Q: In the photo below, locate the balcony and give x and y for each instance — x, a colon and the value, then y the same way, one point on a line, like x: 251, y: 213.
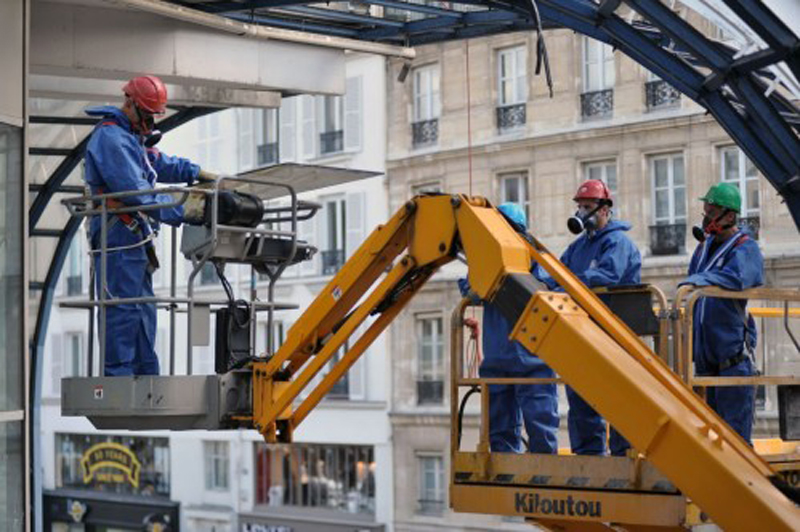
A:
x: 667, y: 239
x: 332, y: 261
x: 331, y: 142
x: 597, y: 104
x: 425, y: 133
x: 511, y: 116
x: 267, y: 153
x: 660, y: 95
x: 750, y: 225
x: 74, y: 285
x: 430, y: 392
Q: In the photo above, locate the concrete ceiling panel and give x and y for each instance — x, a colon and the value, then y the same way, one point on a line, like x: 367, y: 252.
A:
x: 73, y: 40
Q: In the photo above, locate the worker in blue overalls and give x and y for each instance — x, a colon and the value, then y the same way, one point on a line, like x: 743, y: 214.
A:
x: 602, y: 256
x: 724, y: 335
x: 512, y: 404
x: 117, y: 160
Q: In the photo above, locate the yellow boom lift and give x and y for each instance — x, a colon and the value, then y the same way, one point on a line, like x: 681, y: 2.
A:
x: 685, y: 451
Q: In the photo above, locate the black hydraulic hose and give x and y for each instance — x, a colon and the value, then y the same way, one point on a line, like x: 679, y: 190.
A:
x: 473, y: 389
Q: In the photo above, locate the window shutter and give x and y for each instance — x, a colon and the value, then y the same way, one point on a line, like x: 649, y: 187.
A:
x: 288, y: 133
x: 309, y: 128
x: 355, y: 214
x: 352, y: 114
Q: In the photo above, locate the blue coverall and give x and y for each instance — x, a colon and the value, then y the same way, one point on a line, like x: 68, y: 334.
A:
x: 117, y: 161
x: 719, y: 329
x: 607, y: 257
x: 512, y: 404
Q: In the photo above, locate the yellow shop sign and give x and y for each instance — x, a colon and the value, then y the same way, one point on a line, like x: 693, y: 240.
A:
x: 110, y: 455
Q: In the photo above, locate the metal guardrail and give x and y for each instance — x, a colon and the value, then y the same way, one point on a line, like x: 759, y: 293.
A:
x: 475, y: 384
x: 98, y: 205
x: 682, y: 317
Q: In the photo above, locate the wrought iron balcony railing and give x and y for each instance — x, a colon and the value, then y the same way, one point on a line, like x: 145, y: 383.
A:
x: 597, y: 104
x: 659, y: 95
x: 332, y: 261
x: 331, y: 142
x: 425, y: 133
x: 511, y: 116
x: 267, y: 153
x: 668, y: 239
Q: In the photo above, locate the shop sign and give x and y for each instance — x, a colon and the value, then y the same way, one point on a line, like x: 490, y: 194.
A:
x: 110, y: 462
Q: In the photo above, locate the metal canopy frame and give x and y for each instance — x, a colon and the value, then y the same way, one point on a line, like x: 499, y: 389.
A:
x: 736, y: 88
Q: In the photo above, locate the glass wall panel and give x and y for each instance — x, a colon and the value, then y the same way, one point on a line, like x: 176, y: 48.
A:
x: 11, y: 348
x: 12, y: 516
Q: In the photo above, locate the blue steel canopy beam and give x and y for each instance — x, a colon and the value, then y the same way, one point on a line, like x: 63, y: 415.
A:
x: 770, y: 28
x: 417, y: 8
x: 332, y: 14
x: 295, y: 24
x: 777, y: 133
x: 231, y: 7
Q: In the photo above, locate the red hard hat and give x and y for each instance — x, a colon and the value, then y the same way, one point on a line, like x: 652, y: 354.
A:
x: 148, y: 93
x: 594, y: 189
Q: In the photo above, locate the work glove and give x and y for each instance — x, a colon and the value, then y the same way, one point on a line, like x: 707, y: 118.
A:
x: 205, y: 176
x: 194, y: 208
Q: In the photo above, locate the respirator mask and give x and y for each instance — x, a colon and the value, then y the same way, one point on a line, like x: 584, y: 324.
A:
x: 584, y: 219
x: 710, y: 226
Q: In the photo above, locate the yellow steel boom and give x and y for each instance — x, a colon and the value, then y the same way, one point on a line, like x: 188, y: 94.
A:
x: 574, y: 332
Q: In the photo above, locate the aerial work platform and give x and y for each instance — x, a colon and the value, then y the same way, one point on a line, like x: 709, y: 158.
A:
x: 684, y: 451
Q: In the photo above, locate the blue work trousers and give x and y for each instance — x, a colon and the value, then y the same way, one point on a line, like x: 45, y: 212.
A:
x: 588, y: 429
x: 511, y: 405
x: 735, y: 404
x: 130, y: 328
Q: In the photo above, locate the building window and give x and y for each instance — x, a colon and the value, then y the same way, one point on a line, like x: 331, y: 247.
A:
x: 667, y: 235
x: 74, y: 359
x: 75, y: 268
x: 605, y: 171
x: 334, y: 234
x: 738, y: 170
x: 431, y: 484
x: 130, y: 465
x: 512, y: 85
x: 331, y: 131
x: 597, y: 99
x: 425, y: 123
x: 216, y: 465
x: 208, y: 140
x: 337, y: 478
x: 267, y: 150
x: 430, y: 342
x: 341, y: 388
x: 514, y: 189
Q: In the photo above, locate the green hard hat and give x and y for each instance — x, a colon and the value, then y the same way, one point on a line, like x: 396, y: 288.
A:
x: 724, y: 195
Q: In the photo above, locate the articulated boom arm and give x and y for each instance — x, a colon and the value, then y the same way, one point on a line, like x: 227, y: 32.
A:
x: 574, y: 332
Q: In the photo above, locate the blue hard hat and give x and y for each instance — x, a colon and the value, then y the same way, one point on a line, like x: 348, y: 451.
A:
x: 514, y: 212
